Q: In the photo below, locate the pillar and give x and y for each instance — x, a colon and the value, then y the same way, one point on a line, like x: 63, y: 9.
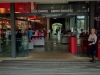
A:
x: 33, y: 6
x: 92, y: 14
x: 48, y: 27
x: 13, y: 30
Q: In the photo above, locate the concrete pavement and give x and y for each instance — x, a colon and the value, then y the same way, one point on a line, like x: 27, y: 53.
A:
x: 30, y: 67
x: 55, y: 56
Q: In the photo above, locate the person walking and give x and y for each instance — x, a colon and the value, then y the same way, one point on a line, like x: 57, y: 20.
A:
x: 92, y: 44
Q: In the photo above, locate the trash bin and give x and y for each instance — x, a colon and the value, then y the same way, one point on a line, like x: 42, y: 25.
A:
x: 73, y: 45
x: 98, y: 54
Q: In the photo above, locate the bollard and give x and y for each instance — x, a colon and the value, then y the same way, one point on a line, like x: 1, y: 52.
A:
x: 98, y: 54
x: 73, y: 45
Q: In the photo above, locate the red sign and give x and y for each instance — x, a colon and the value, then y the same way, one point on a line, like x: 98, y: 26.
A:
x: 4, y: 7
x: 22, y: 7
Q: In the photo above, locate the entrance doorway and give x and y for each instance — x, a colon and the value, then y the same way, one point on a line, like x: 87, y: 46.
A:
x: 54, y: 43
x: 56, y: 26
x: 56, y: 31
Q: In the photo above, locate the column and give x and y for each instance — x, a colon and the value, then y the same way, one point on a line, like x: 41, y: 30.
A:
x: 48, y: 27
x: 33, y: 6
x: 13, y: 30
x: 92, y: 12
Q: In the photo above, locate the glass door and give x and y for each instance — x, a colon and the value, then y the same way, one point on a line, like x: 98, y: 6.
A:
x: 82, y: 34
x: 5, y: 37
x: 82, y: 24
x: 21, y: 36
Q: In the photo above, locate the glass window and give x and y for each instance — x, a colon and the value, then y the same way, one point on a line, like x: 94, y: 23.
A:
x: 5, y: 37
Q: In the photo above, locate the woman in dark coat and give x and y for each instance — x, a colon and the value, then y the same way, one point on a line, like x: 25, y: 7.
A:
x: 92, y: 44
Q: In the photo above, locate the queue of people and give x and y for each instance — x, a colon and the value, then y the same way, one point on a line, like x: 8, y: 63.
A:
x: 28, y: 36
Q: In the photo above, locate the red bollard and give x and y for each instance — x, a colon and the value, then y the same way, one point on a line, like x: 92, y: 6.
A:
x: 98, y: 50
x: 73, y: 45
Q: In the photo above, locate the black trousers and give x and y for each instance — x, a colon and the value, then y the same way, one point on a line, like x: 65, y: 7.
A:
x: 92, y: 51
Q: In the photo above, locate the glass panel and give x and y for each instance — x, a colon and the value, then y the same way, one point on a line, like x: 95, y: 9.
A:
x: 21, y: 37
x: 82, y: 34
x: 5, y: 37
x: 29, y: 34
x: 80, y: 24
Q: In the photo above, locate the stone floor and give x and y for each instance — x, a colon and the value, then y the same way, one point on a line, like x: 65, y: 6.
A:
x: 53, y: 50
x: 56, y: 56
x: 48, y: 68
x: 49, y: 56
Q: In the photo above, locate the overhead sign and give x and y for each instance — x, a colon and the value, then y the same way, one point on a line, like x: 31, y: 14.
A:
x: 51, y: 15
x: 53, y: 11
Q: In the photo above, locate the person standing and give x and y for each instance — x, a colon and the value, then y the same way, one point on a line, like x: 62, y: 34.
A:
x: 18, y: 40
x: 30, y: 34
x: 92, y: 44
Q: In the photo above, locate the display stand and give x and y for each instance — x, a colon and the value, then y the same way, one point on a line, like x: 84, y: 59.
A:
x: 38, y: 40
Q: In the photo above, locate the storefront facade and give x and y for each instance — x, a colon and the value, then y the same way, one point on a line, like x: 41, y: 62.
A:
x: 17, y: 19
